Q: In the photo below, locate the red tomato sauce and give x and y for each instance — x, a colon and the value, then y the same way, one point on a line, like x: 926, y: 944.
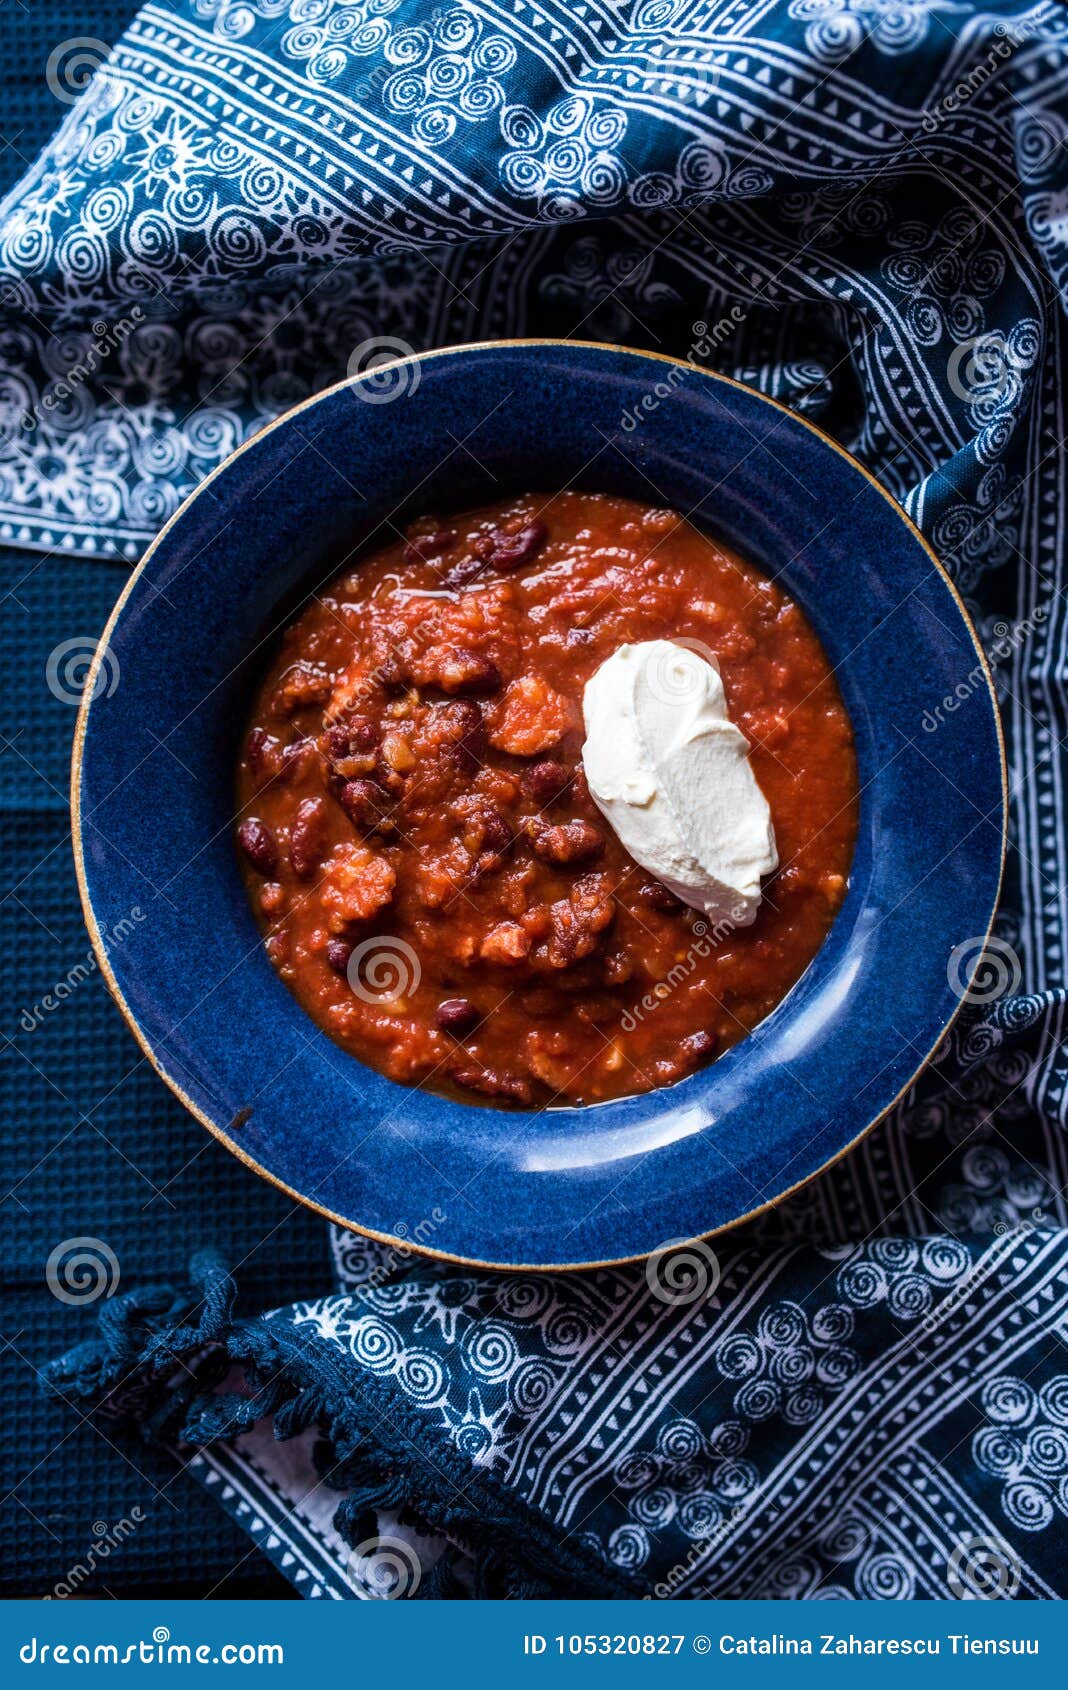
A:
x: 434, y: 882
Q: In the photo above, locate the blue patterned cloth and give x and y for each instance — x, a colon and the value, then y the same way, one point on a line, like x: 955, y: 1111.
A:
x: 862, y: 205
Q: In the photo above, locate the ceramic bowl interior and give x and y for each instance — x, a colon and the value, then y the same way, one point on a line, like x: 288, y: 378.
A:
x: 154, y: 773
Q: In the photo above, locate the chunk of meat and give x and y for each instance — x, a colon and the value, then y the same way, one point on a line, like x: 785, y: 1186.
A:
x: 530, y: 717
x: 301, y: 685
x: 460, y: 645
x: 570, y: 842
x: 356, y: 884
x: 506, y: 943
x: 493, y: 1082
x: 487, y: 833
x: 358, y: 689
x: 397, y: 754
x: 551, y: 1056
x: 442, y: 877
x: 617, y: 968
x: 577, y: 923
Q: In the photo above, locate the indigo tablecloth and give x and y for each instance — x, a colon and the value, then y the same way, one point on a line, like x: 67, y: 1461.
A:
x: 867, y: 201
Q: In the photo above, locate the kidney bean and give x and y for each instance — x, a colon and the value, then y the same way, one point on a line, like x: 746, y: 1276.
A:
x: 259, y: 845
x: 572, y: 842
x: 391, y: 780
x: 337, y: 955
x: 468, y: 672
x: 464, y: 572
x: 307, y: 837
x: 493, y: 1082
x: 512, y: 551
x: 269, y: 760
x: 461, y: 726
x: 495, y: 833
x: 363, y: 803
x: 546, y: 780
x: 258, y: 753
x: 422, y: 547
x: 357, y: 737
x: 691, y: 1052
x: 294, y: 758
x: 617, y: 968
x: 456, y: 1016
x: 659, y: 897
x: 390, y: 666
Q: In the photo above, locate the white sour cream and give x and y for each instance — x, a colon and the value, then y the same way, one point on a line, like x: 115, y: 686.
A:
x: 670, y: 772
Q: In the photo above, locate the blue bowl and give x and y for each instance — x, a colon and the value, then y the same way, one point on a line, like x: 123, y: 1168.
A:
x: 153, y: 803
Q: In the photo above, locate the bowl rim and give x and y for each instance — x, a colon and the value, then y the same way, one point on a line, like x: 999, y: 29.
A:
x: 217, y: 1129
